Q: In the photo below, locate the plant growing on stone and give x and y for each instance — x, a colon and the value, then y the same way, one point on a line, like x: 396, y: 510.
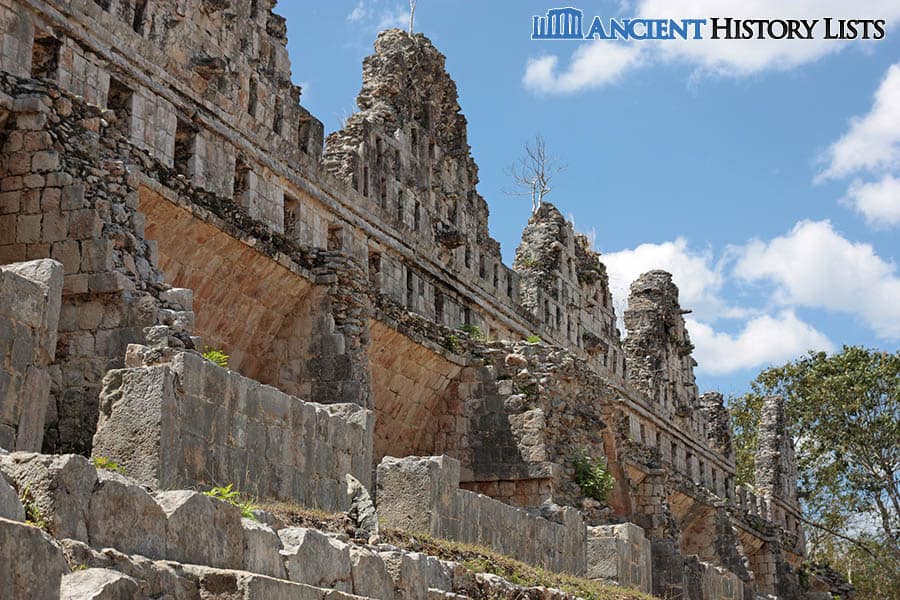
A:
x: 101, y: 462
x: 232, y: 496
x: 216, y: 357
x: 533, y: 339
x: 452, y: 343
x: 592, y: 477
x: 33, y: 514
x: 474, y: 332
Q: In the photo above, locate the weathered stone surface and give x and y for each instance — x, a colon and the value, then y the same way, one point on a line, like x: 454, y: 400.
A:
x: 59, y: 486
x: 422, y: 495
x: 408, y: 571
x: 30, y: 297
x: 31, y: 564
x: 201, y: 530
x: 620, y: 553
x: 10, y: 505
x: 97, y: 584
x: 370, y: 576
x: 262, y: 550
x: 216, y: 584
x: 124, y: 516
x: 157, y: 579
x: 186, y: 423
x: 316, y: 559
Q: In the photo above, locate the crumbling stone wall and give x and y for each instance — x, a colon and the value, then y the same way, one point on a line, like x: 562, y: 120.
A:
x: 658, y: 348
x: 203, y: 425
x: 30, y: 295
x: 565, y: 286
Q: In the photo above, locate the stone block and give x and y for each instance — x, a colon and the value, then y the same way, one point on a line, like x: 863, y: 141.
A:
x: 98, y: 584
x: 201, y: 530
x: 414, y: 492
x: 408, y: 571
x: 217, y: 584
x: 31, y: 563
x: 124, y: 516
x: 60, y: 487
x: 316, y: 559
x: 262, y: 550
x: 10, y: 505
x: 370, y: 576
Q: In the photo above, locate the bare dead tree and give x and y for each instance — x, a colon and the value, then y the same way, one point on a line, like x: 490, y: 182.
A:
x: 532, y: 175
x: 412, y: 14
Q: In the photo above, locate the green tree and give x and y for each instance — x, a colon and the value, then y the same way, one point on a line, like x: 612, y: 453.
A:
x: 843, y: 412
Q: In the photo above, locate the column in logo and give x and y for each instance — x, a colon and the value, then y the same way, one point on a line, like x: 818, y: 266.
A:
x: 559, y: 24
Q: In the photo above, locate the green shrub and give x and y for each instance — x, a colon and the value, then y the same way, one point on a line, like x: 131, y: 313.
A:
x: 474, y: 332
x: 216, y: 357
x: 592, y: 477
x: 232, y: 496
x: 101, y: 462
x: 451, y: 342
x: 33, y: 514
x: 533, y: 339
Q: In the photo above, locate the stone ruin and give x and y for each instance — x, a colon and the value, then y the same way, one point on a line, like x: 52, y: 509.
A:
x: 163, y: 191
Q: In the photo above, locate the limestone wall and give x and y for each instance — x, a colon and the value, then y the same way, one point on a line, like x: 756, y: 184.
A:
x: 29, y: 313
x: 421, y: 494
x: 184, y: 422
x: 620, y: 553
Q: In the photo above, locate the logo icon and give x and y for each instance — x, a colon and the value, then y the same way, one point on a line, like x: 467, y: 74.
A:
x: 559, y: 24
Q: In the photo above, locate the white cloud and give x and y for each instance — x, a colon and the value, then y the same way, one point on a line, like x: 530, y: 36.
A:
x: 593, y: 64
x: 379, y: 15
x: 720, y: 57
x: 763, y: 341
x: 873, y: 141
x: 878, y: 201
x: 814, y: 266
x: 358, y: 13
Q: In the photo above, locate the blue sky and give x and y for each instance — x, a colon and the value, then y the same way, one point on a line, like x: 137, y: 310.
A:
x: 764, y: 175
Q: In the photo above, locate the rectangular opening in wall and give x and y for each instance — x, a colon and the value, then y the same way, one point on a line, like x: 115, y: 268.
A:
x: 104, y: 4
x: 291, y: 216
x: 414, y: 141
x: 241, y: 182
x: 468, y: 257
x: 438, y: 306
x: 375, y: 269
x: 278, y: 118
x: 496, y: 275
x: 382, y: 192
x: 417, y: 210
x: 185, y: 147
x: 509, y: 285
x: 252, y: 97
x: 140, y: 16
x: 481, y: 266
x: 45, y: 57
x: 400, y: 207
x: 120, y: 101
x: 335, y: 238
x: 365, y: 182
x: 410, y: 291
x: 303, y: 133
